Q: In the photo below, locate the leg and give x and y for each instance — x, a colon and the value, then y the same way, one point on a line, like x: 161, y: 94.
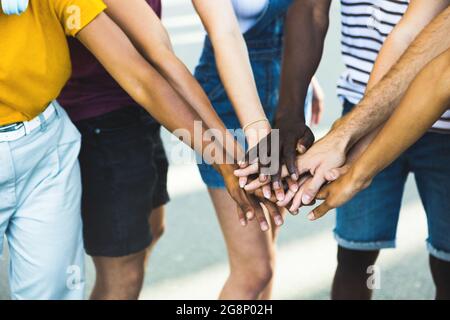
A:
x: 122, y: 184
x: 251, y: 252
x: 160, y: 195
x: 430, y: 161
x: 44, y: 234
x: 440, y: 271
x: 351, y: 274
x: 119, y: 278
x: 122, y: 278
x: 267, y: 292
x: 365, y: 225
x: 157, y: 226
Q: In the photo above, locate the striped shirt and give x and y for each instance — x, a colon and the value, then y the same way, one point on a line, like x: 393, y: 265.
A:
x: 365, y: 26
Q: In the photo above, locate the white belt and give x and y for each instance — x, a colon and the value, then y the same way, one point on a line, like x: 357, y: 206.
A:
x: 26, y: 127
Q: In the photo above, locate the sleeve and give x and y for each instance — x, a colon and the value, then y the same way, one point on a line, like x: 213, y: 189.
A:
x: 74, y: 15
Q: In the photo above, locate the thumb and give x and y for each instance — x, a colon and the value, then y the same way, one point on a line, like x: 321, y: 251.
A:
x: 336, y: 173
x: 323, y: 192
x: 312, y: 188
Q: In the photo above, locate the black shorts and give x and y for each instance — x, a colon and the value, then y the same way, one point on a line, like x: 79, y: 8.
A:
x: 124, y: 174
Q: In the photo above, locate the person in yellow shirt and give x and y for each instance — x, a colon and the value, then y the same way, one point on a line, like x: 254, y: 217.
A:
x: 40, y: 185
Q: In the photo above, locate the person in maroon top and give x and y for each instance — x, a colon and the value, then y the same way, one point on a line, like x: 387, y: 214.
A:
x: 123, y: 164
x: 124, y: 170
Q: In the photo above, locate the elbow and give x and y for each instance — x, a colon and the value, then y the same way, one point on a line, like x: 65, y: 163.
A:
x: 139, y: 86
x: 316, y: 11
x: 321, y: 20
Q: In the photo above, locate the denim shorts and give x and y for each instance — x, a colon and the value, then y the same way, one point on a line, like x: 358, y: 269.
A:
x: 124, y: 176
x: 369, y: 221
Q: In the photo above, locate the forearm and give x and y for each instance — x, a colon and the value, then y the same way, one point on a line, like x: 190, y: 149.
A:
x: 176, y: 73
x: 424, y: 102
x: 146, y: 86
x: 381, y: 100
x: 306, y: 26
x: 393, y: 48
x: 418, y: 15
x: 236, y: 73
x: 148, y: 35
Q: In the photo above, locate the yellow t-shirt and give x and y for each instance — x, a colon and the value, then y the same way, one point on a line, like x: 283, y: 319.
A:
x: 34, y: 55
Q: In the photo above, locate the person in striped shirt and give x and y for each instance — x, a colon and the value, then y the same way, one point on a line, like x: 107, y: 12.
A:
x: 368, y: 222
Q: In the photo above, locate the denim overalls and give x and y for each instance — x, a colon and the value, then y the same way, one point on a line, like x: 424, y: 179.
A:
x: 264, y: 43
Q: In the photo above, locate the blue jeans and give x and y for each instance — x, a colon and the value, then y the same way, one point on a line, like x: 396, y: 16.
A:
x: 40, y: 195
x: 369, y: 220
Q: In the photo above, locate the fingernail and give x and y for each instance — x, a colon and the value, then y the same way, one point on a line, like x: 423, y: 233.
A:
x: 243, y: 222
x: 278, y: 220
x: 294, y: 176
x: 306, y: 199
x: 264, y: 226
x: 277, y: 185
x: 267, y: 193
x: 249, y: 215
x: 262, y: 178
x: 311, y: 217
x: 296, y: 212
x: 241, y: 184
x: 294, y: 187
x: 301, y: 149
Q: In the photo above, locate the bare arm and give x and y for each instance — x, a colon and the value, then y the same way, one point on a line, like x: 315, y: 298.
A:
x: 381, y: 100
x: 137, y: 19
x: 305, y: 29
x: 424, y: 102
x: 232, y: 59
x: 148, y: 88
x: 419, y: 14
x: 306, y: 26
x: 377, y: 106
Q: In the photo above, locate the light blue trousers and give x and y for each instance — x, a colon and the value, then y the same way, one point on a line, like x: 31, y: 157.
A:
x: 40, y: 194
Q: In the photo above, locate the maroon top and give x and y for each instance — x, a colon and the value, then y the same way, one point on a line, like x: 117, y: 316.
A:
x: 91, y: 91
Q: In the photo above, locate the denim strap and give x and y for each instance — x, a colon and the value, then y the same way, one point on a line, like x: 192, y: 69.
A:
x: 274, y: 10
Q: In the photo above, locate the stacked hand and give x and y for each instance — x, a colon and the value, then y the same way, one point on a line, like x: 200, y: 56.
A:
x: 250, y: 206
x: 286, y: 169
x: 304, y: 172
x: 324, y: 162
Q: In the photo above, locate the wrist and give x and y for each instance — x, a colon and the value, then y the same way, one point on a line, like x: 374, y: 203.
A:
x: 341, y: 139
x: 291, y: 113
x: 360, y: 176
x: 227, y: 170
x: 256, y: 132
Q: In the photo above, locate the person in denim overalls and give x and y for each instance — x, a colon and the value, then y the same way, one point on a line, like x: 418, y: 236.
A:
x: 251, y: 252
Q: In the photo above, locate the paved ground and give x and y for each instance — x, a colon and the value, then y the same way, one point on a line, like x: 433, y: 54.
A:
x: 190, y: 261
